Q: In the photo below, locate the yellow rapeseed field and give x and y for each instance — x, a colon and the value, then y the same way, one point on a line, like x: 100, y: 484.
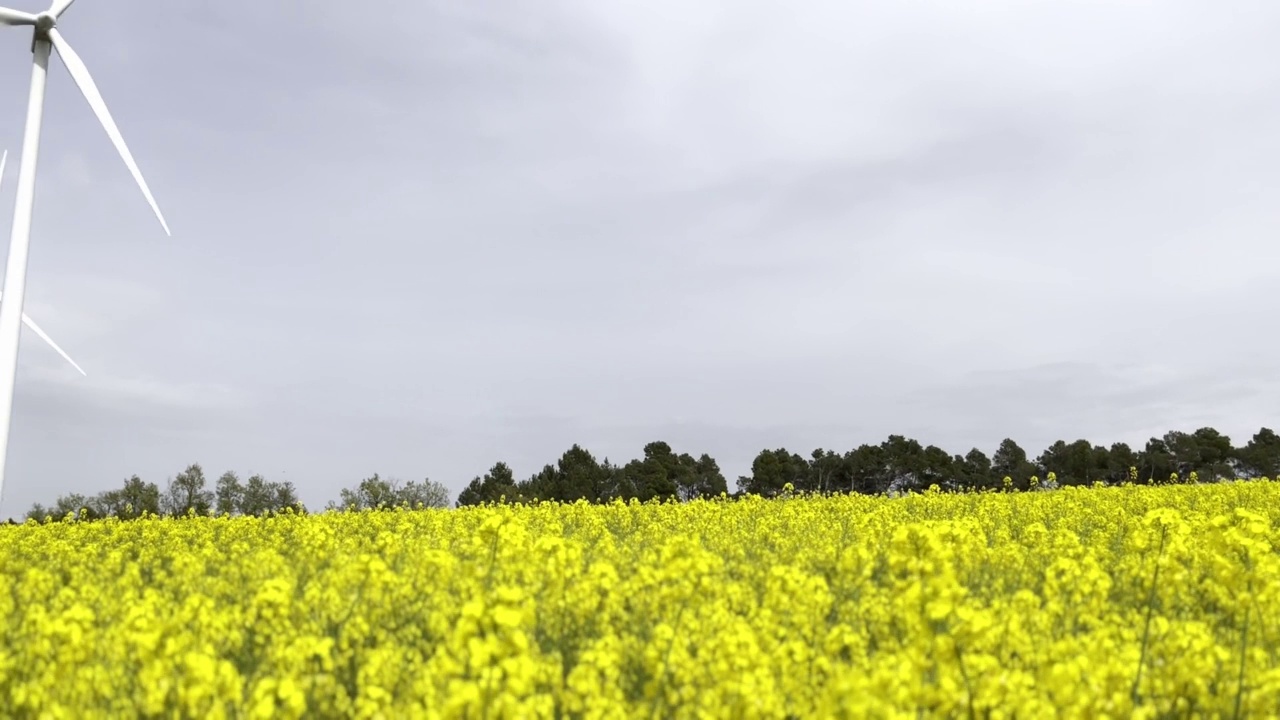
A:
x: 1146, y: 602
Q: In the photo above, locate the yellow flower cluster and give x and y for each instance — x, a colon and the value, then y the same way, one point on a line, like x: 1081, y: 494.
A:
x: 1121, y: 602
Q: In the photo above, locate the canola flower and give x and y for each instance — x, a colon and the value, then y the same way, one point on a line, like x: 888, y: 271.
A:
x: 1145, y: 602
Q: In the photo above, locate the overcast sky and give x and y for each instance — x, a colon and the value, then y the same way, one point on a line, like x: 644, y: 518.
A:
x: 420, y: 237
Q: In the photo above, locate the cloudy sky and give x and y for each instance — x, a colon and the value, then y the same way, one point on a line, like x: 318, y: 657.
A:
x: 425, y: 236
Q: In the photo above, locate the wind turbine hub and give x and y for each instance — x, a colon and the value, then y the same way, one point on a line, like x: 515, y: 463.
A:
x: 45, y: 22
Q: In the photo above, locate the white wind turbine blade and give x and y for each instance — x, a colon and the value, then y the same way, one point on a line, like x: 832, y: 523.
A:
x: 44, y: 336
x: 80, y: 74
x: 59, y: 7
x: 16, y: 17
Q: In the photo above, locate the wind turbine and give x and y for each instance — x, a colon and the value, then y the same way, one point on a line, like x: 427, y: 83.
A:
x: 46, y: 39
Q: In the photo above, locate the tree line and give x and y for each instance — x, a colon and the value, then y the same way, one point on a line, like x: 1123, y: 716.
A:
x: 897, y: 465
x: 189, y: 493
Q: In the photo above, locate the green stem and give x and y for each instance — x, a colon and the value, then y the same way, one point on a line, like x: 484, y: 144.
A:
x: 1146, y: 630
x: 1244, y: 637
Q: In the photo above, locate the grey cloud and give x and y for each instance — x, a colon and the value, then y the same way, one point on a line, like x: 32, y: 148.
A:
x: 433, y: 236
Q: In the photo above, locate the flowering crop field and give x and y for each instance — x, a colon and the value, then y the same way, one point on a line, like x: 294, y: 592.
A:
x: 1117, y: 602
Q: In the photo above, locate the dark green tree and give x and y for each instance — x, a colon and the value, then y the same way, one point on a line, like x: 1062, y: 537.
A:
x: 974, y: 470
x: 499, y: 482
x: 187, y: 493
x: 1120, y: 459
x: 658, y: 475
x: 772, y: 470
x: 828, y: 472
x: 1217, y: 456
x: 703, y: 480
x: 906, y: 466
x: 1155, y: 463
x: 228, y: 494
x: 258, y: 497
x: 1010, y: 461
x: 868, y: 467
x: 1073, y: 464
x: 579, y: 476
x: 1184, y: 452
x: 543, y: 485
x: 938, y: 469
x: 1260, y: 457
